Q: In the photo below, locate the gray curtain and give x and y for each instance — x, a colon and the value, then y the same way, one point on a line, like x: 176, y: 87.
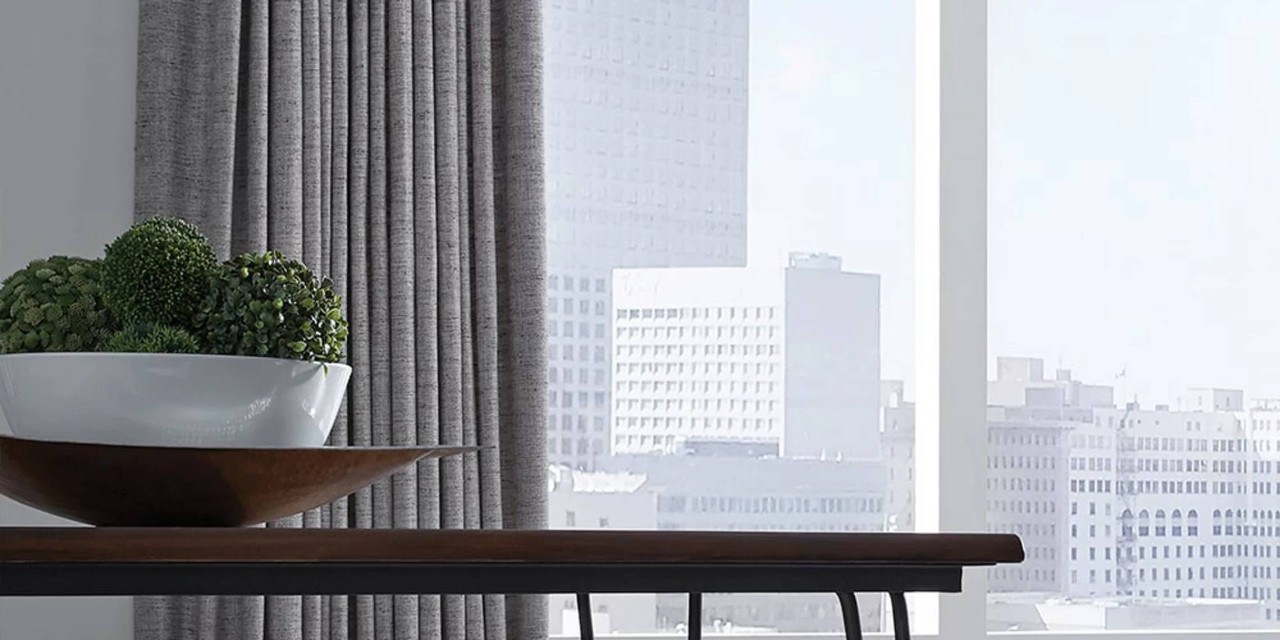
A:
x: 395, y: 146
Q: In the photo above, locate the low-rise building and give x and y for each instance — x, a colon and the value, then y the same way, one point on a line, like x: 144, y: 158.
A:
x: 1125, y: 502
x: 734, y: 493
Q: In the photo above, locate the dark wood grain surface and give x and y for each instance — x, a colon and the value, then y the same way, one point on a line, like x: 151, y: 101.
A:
x: 198, y: 545
x: 185, y: 486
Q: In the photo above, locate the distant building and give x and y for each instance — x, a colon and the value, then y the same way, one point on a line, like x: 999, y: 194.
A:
x: 897, y: 434
x: 646, y: 153
x: 762, y: 494
x: 1018, y: 377
x: 597, y: 500
x: 1049, y: 612
x: 719, y: 493
x: 1206, y: 399
x: 782, y: 361
x: 1122, y: 502
x: 1027, y: 481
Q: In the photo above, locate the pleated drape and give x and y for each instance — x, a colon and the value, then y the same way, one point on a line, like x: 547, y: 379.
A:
x: 395, y: 146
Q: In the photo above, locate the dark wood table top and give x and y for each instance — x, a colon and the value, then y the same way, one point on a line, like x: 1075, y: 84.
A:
x: 71, y: 545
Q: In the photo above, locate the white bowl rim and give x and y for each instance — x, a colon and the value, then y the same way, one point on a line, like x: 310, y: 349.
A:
x: 120, y: 354
x: 233, y: 449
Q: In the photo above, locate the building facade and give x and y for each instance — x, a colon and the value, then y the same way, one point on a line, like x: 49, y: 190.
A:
x: 777, y: 361
x: 646, y: 134
x: 721, y: 493
x: 1124, y: 504
x: 1027, y: 493
x: 897, y: 442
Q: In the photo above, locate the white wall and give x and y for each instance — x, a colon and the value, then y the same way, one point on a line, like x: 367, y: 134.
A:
x: 67, y: 79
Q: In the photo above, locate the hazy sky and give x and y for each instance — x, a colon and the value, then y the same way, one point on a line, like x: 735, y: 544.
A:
x: 830, y: 145
x: 1134, y: 149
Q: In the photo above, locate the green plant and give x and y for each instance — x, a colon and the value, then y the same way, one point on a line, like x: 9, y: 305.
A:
x: 54, y: 305
x: 149, y: 338
x: 157, y: 273
x: 269, y: 305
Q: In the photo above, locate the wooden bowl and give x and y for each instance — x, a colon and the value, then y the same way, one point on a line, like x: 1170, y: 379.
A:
x: 125, y: 485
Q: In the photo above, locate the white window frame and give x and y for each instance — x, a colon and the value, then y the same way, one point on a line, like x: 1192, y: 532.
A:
x: 950, y: 245
x: 951, y: 294
x: 951, y: 315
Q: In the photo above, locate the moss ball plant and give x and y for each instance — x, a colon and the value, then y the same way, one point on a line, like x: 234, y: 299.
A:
x: 269, y: 305
x: 148, y: 338
x: 157, y: 273
x: 54, y: 305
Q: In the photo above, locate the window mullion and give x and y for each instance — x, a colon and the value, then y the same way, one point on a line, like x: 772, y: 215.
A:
x: 951, y: 292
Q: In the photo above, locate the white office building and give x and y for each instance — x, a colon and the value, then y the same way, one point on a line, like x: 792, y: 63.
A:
x: 897, y: 442
x: 777, y: 361
x: 1125, y: 504
x: 646, y: 156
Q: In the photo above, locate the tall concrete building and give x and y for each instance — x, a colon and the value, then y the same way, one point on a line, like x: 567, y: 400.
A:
x: 779, y: 361
x: 646, y: 152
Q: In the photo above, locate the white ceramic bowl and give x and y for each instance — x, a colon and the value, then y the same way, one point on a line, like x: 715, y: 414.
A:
x: 171, y: 399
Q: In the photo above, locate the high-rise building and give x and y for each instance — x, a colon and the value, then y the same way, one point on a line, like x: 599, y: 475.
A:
x: 646, y: 159
x: 781, y: 361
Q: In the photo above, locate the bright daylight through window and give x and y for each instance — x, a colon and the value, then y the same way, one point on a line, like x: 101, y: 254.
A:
x: 730, y: 286
x: 731, y: 297
x: 1133, y: 341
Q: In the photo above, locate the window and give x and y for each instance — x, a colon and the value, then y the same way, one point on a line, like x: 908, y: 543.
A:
x: 652, y: 110
x: 1143, y: 119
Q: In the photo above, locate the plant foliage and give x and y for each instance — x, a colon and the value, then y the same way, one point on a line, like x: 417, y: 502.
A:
x: 148, y: 338
x: 54, y: 305
x: 157, y: 273
x: 269, y: 305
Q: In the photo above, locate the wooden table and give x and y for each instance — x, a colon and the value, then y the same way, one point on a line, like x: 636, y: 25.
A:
x: 122, y: 561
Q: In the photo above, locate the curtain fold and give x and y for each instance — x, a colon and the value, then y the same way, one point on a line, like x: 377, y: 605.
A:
x: 395, y: 146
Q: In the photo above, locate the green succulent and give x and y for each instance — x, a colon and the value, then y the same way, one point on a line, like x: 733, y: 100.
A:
x: 149, y: 338
x: 269, y: 305
x: 157, y: 273
x: 54, y: 305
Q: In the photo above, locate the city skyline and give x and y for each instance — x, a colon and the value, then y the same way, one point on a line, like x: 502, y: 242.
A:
x: 1121, y: 503
x: 1130, y: 163
x: 1116, y: 136
x: 818, y: 180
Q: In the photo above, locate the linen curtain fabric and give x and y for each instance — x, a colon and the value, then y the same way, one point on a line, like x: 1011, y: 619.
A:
x: 395, y: 146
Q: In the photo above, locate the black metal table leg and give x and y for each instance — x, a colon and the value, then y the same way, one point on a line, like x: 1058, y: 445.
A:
x: 852, y: 622
x: 695, y: 616
x: 901, y: 625
x: 586, y: 631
